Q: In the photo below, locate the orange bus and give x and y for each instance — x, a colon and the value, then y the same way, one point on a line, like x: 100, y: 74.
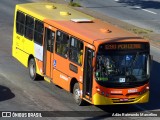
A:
x: 97, y: 62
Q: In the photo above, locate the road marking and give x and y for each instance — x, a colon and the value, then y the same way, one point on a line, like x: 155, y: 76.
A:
x: 149, y: 11
x: 137, y: 7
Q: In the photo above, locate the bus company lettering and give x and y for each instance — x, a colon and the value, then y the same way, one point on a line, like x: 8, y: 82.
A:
x: 63, y: 77
x: 132, y: 90
x: 116, y: 92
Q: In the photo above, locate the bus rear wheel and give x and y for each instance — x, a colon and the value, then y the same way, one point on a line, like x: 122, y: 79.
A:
x: 76, y: 95
x: 32, y: 69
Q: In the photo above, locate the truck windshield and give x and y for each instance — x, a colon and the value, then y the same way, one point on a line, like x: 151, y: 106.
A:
x: 122, y: 68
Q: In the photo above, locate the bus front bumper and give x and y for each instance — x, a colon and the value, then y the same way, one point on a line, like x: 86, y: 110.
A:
x: 102, y: 100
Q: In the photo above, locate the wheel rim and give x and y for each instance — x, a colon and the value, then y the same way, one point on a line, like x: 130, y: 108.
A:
x: 77, y: 95
x: 32, y: 69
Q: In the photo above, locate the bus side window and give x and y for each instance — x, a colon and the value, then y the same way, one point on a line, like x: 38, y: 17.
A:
x: 20, y: 21
x: 80, y: 54
x: 38, y: 32
x: 62, y: 44
x: 29, y: 27
x: 76, y: 51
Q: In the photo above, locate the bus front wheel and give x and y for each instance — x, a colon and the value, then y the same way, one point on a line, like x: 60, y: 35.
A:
x: 32, y: 69
x: 76, y: 94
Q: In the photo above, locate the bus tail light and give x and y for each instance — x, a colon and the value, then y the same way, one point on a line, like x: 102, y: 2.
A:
x: 147, y: 88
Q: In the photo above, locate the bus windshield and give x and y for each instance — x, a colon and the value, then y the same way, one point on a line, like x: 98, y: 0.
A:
x: 122, y: 68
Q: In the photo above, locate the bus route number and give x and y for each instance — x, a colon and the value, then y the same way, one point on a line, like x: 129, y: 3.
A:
x: 108, y: 47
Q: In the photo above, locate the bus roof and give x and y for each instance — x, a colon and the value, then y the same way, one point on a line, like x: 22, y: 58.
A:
x: 76, y: 23
x: 52, y: 11
x: 96, y: 30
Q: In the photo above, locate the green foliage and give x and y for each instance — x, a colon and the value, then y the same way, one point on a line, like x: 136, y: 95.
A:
x: 74, y: 4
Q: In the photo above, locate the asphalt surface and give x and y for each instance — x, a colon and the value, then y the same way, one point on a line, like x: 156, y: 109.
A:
x: 142, y: 13
x: 126, y: 14
x: 19, y: 93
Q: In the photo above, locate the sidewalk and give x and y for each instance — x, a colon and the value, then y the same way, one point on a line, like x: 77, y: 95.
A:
x: 144, y: 33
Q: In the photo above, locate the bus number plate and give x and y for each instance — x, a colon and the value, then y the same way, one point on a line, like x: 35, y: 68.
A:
x: 123, y: 99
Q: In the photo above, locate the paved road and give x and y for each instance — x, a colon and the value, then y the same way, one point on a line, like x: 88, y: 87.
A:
x: 142, y: 13
x: 19, y: 93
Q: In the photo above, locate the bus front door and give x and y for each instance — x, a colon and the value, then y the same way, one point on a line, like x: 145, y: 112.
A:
x: 48, y: 52
x: 88, y: 75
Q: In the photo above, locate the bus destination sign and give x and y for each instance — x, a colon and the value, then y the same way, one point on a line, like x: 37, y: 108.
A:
x: 123, y: 46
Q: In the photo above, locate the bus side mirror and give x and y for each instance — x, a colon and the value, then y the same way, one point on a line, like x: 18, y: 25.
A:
x: 149, y: 64
x: 150, y: 61
x: 93, y: 54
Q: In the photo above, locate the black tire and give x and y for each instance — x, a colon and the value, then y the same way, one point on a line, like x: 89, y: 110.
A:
x: 76, y: 95
x: 32, y: 69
